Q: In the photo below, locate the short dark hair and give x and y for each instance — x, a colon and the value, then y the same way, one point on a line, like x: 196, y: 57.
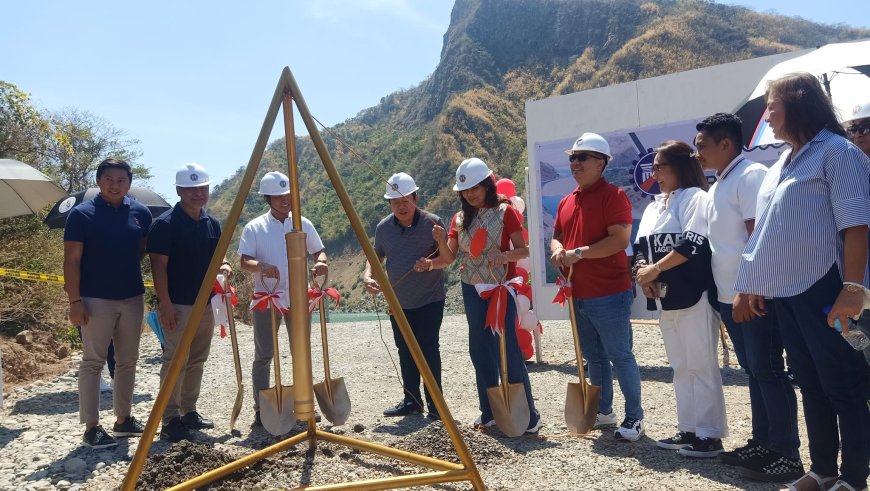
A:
x: 111, y: 163
x: 807, y: 108
x: 680, y: 157
x: 723, y: 125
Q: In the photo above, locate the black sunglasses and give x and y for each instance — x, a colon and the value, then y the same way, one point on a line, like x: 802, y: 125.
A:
x: 858, y: 129
x: 582, y: 157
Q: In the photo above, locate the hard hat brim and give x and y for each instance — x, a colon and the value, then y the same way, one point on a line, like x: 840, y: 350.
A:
x: 197, y: 185
x: 465, y: 186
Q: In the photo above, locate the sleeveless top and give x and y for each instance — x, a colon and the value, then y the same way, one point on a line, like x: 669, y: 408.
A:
x: 477, y: 270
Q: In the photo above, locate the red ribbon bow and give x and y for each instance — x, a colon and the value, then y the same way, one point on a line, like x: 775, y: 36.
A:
x: 497, y: 298
x: 218, y: 290
x: 315, y: 294
x: 262, y: 300
x: 564, y: 292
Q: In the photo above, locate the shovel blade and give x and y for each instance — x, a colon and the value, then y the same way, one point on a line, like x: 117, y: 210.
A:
x: 511, y: 415
x: 276, y: 410
x: 581, y: 407
x: 336, y: 406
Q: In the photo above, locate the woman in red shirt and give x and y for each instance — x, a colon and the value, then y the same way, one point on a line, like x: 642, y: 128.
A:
x: 482, y: 236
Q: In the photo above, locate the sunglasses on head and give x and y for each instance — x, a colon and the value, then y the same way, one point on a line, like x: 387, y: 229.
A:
x: 858, y: 129
x: 582, y: 157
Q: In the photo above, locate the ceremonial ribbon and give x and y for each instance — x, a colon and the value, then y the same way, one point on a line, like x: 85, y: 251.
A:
x: 497, y: 297
x: 218, y: 290
x: 564, y: 292
x: 315, y: 294
x: 262, y: 300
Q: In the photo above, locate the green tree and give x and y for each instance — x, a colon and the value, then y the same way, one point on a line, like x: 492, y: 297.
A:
x: 23, y: 130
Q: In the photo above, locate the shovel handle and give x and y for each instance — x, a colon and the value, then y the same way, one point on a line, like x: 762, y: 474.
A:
x: 324, y: 339
x: 276, y: 358
x: 231, y: 323
x: 578, y: 349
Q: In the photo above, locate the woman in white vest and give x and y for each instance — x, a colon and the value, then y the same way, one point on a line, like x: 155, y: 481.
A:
x: 487, y: 237
x: 673, y: 268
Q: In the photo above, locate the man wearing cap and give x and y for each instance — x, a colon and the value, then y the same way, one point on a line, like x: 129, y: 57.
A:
x: 263, y: 251
x: 181, y: 244
x: 403, y: 238
x: 858, y: 129
x: 591, y: 231
x: 104, y: 241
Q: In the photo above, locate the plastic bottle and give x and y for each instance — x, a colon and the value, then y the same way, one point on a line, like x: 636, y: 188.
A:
x: 854, y: 337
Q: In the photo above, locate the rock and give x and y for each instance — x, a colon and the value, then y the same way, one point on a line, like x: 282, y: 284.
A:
x: 63, y: 351
x: 74, y: 465
x: 359, y: 428
x: 24, y: 337
x: 62, y: 484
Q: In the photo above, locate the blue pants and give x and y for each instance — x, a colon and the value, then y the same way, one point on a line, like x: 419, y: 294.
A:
x: 425, y: 323
x: 483, y: 347
x: 604, y: 324
x: 772, y: 400
x: 832, y: 378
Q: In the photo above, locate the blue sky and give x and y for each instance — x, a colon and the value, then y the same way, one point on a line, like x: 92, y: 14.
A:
x: 192, y: 79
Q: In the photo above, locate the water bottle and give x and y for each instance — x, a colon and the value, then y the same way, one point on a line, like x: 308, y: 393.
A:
x: 854, y: 337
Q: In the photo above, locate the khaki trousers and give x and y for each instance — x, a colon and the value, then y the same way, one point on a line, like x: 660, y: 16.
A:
x: 118, y: 321
x: 187, y: 386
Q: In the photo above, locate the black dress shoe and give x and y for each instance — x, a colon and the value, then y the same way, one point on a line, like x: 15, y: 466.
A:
x: 174, y: 431
x: 433, y: 415
x: 257, y: 421
x: 403, y: 409
x: 194, y: 421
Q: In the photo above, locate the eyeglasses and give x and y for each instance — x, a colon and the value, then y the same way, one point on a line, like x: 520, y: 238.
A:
x: 658, y: 167
x: 582, y: 157
x: 858, y: 129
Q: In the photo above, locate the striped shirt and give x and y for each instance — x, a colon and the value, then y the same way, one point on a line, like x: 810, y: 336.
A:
x: 803, y: 204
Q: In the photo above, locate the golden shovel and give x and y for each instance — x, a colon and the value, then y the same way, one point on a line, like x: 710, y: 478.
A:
x: 231, y: 322
x: 332, y: 396
x: 276, y: 403
x: 581, y: 399
x: 508, y: 402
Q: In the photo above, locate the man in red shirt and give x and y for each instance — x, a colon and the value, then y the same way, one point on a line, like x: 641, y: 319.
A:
x: 591, y: 231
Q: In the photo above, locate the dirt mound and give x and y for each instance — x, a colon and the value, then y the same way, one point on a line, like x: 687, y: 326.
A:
x: 45, y: 357
x: 434, y: 441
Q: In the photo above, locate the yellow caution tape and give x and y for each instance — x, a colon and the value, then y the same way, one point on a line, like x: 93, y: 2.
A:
x: 43, y: 277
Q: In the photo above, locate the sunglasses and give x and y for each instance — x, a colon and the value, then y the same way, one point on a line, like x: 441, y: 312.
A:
x: 658, y: 167
x: 858, y: 129
x: 582, y: 157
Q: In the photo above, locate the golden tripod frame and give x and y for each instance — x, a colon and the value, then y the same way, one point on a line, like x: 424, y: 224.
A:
x: 441, y: 471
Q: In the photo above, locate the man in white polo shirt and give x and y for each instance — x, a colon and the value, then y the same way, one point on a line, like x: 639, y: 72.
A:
x: 263, y: 251
x: 772, y: 452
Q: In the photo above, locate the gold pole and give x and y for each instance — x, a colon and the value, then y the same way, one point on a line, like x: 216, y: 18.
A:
x: 394, y: 482
x: 381, y: 277
x: 202, y: 297
x: 236, y: 465
x: 409, y: 457
x: 300, y: 332
x: 292, y: 168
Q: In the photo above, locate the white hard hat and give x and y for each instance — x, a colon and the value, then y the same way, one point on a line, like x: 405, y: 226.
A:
x: 470, y: 173
x: 592, y: 142
x: 860, y: 111
x: 191, y: 176
x: 399, y: 185
x: 274, y: 184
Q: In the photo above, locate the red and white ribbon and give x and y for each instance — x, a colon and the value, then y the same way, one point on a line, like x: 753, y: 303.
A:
x: 497, y: 297
x: 263, y: 300
x: 564, y: 292
x: 219, y: 306
x: 315, y: 294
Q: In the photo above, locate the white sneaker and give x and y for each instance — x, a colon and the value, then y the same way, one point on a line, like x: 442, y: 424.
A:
x: 630, y: 430
x: 602, y: 420
x: 104, y: 386
x: 478, y: 423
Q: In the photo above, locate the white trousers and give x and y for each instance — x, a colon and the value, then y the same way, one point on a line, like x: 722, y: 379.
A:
x: 691, y: 337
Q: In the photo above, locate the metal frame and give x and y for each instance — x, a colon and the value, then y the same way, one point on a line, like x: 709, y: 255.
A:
x: 442, y: 471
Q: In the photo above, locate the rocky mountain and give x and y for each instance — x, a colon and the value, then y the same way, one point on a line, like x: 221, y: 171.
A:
x: 497, y: 54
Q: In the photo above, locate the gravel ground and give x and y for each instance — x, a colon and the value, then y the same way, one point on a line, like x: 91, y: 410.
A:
x: 40, y: 434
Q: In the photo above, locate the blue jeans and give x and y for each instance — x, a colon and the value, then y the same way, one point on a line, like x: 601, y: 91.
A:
x: 772, y: 400
x: 604, y: 324
x: 483, y: 347
x: 832, y: 377
x: 425, y: 324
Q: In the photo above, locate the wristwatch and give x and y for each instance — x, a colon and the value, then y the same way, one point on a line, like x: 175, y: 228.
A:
x: 578, y: 252
x: 852, y: 287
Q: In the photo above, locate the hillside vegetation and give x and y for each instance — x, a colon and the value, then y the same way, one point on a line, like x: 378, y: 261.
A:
x: 497, y: 54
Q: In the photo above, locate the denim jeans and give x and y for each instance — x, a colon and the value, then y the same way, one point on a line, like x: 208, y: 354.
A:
x: 425, y: 323
x: 483, y: 347
x: 772, y: 400
x: 604, y: 324
x: 831, y: 375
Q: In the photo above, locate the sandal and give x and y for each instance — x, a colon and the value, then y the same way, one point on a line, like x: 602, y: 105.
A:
x: 821, y: 482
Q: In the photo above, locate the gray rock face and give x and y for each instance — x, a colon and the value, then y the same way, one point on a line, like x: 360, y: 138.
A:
x: 24, y: 337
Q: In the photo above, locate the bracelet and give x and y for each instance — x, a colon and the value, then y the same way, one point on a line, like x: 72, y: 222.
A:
x: 851, y: 286
x: 431, y: 265
x: 75, y: 301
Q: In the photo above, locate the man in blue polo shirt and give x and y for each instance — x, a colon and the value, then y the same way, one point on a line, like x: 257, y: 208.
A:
x: 104, y: 241
x: 181, y: 243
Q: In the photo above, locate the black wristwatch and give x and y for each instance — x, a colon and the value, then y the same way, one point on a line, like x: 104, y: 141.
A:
x: 579, y: 253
